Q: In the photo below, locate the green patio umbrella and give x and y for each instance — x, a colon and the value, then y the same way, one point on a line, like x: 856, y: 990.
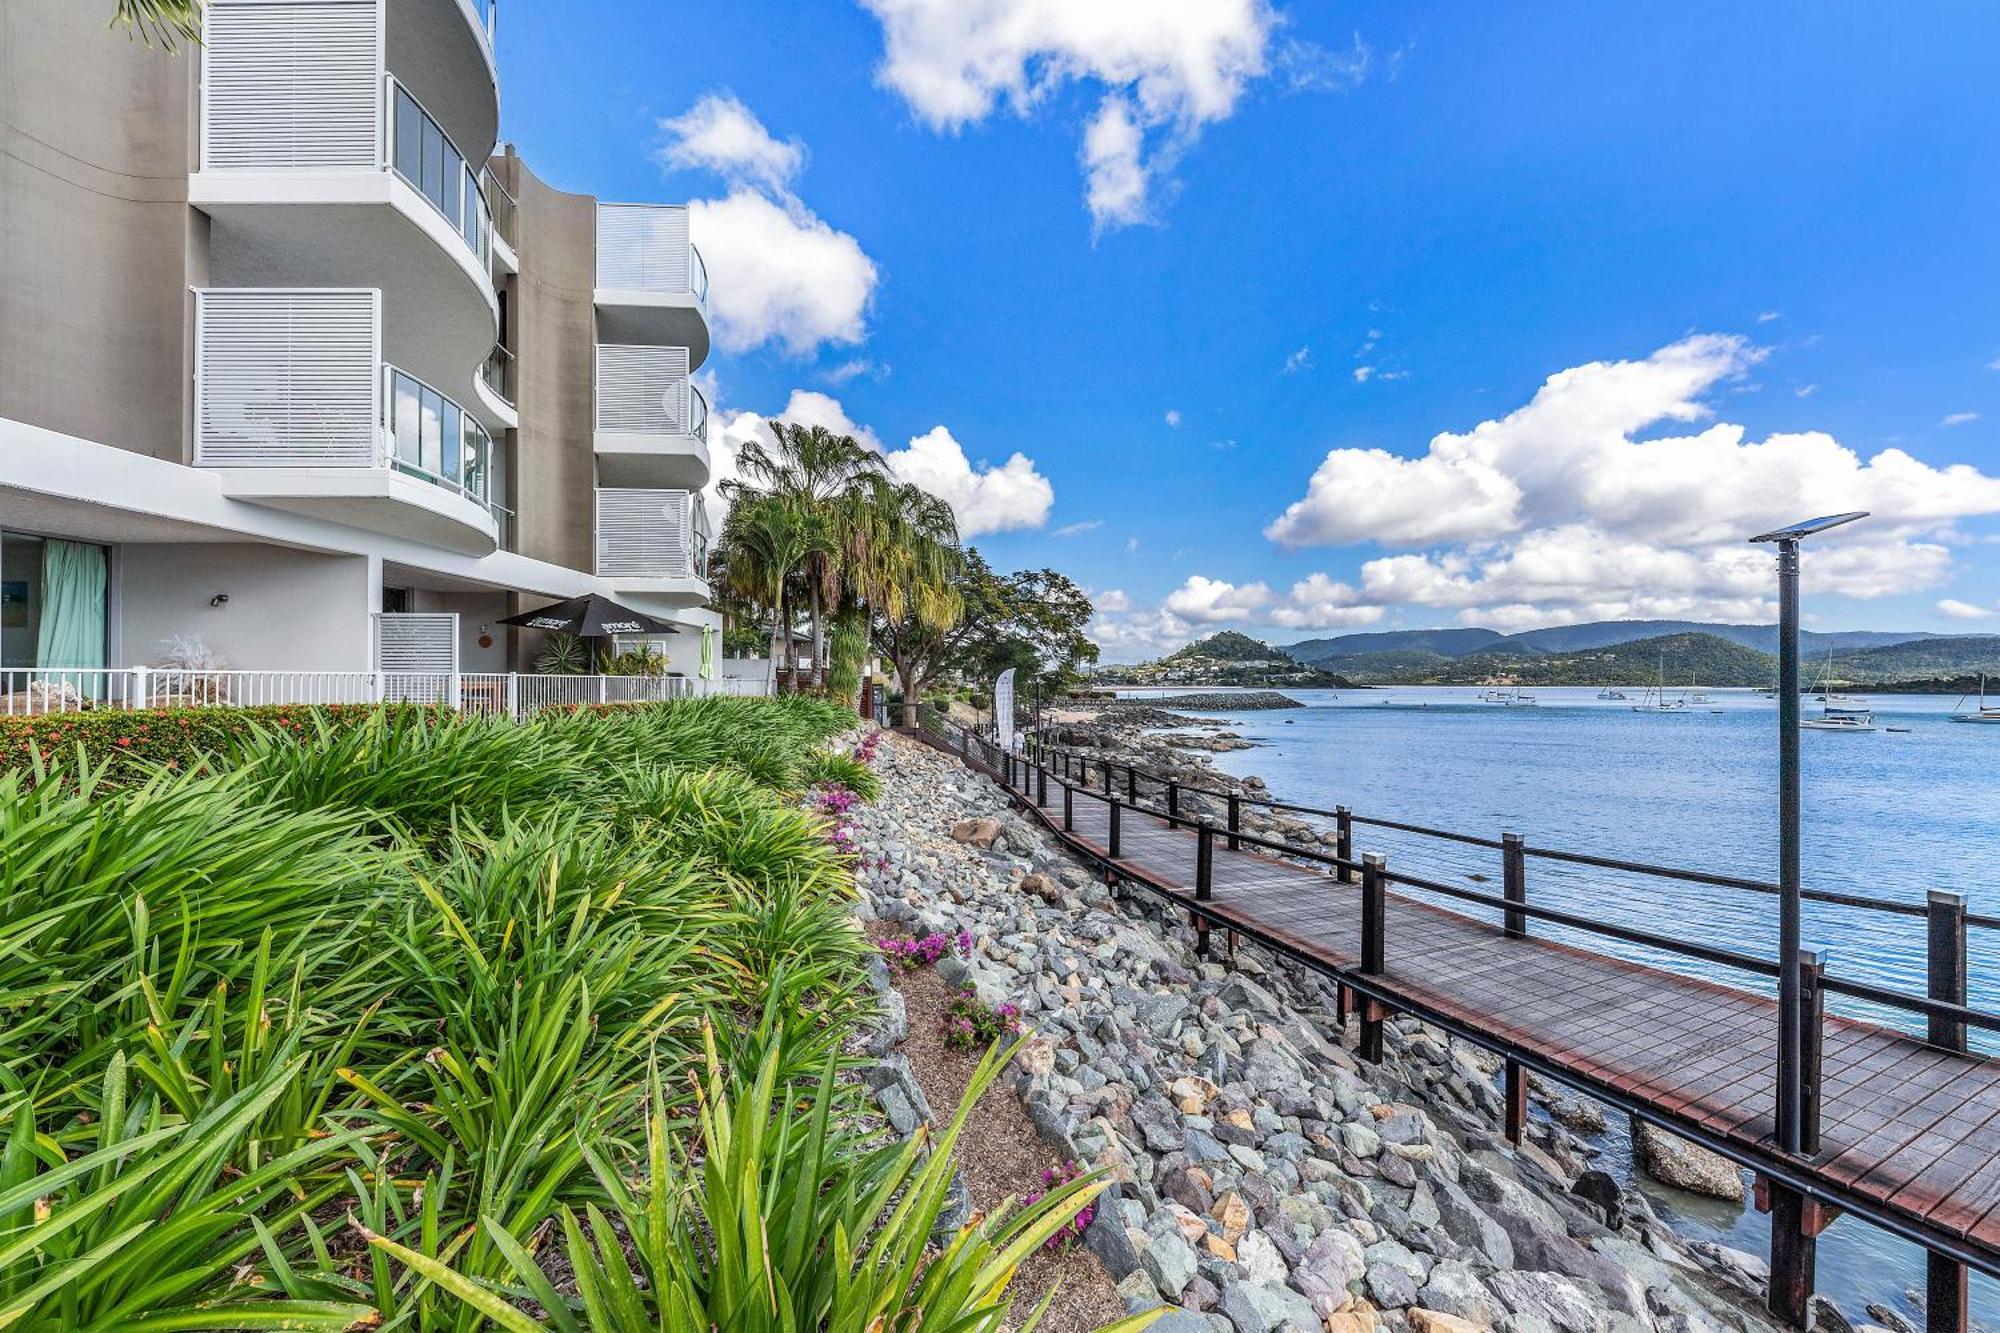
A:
x: 707, y: 671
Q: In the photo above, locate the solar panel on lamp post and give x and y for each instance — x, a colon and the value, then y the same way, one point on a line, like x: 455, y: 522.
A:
x: 1790, y: 1118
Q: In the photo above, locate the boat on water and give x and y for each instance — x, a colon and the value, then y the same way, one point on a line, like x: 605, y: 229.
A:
x: 1608, y: 693
x: 1655, y: 699
x: 1834, y: 701
x: 1513, y: 698
x: 1985, y: 712
x: 1833, y: 717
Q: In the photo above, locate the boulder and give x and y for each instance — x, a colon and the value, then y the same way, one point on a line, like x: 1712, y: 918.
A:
x: 1674, y: 1161
x: 977, y: 832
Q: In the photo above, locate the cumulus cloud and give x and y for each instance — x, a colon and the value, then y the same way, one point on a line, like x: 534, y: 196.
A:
x: 1216, y: 602
x: 1959, y: 419
x: 1160, y: 72
x: 1362, y: 374
x: 1319, y: 602
x: 1958, y: 610
x: 1299, y: 360
x: 1565, y: 509
x: 1173, y: 416
x: 779, y: 275
x: 720, y: 134
x: 985, y: 498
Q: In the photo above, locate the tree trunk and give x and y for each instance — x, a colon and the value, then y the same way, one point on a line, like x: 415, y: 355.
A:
x: 911, y: 684
x: 818, y: 671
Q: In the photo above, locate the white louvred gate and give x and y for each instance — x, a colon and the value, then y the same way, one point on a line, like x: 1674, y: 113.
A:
x: 643, y: 390
x: 643, y: 247
x: 286, y: 377
x: 291, y: 83
x: 417, y: 655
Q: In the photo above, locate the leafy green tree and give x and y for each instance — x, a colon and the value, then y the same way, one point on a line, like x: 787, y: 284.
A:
x: 169, y: 22
x: 1033, y: 620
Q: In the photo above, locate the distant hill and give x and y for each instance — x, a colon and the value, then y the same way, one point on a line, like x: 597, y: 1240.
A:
x: 1229, y: 646
x: 1704, y: 659
x: 1958, y: 655
x: 1447, y: 642
x: 1395, y: 665
x: 1594, y: 634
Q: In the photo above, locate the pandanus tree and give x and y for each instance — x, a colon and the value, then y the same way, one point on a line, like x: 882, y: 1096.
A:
x: 170, y: 22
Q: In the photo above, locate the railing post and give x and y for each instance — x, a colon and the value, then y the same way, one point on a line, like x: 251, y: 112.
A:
x: 1374, y: 946
x: 1947, y: 1295
x: 1343, y: 841
x: 380, y: 685
x: 139, y: 697
x: 1107, y: 779
x: 1517, y: 1102
x: 1069, y: 808
x: 1173, y: 799
x: 1204, y: 883
x: 1944, y: 915
x: 1112, y: 846
x: 1131, y: 785
x: 514, y: 695
x: 1041, y: 786
x: 1514, y: 863
x: 1812, y: 1032
x: 1235, y: 821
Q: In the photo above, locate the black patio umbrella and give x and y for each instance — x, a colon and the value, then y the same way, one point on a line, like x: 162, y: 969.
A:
x: 591, y: 617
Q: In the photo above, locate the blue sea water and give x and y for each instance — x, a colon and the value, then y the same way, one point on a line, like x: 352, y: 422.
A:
x: 1887, y: 814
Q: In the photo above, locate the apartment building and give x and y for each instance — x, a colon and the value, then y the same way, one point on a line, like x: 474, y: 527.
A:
x: 296, y: 361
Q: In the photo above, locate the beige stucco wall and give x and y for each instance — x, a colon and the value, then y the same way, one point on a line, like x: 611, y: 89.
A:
x: 97, y: 243
x: 553, y: 322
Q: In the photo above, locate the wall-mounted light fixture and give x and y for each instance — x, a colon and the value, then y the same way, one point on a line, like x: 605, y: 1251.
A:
x: 220, y: 599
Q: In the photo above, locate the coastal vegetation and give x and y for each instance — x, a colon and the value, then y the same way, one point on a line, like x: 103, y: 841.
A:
x: 398, y: 1018
x: 1574, y: 655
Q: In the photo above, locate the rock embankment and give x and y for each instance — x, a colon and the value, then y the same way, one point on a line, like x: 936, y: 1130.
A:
x: 1267, y: 1179
x: 1219, y: 701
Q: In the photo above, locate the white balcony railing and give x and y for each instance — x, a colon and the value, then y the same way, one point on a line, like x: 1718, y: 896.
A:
x: 645, y: 248
x: 651, y: 533
x: 647, y: 391
x: 26, y: 692
x: 289, y: 378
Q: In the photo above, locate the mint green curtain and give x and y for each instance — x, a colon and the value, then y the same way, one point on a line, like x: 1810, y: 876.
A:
x: 707, y: 652
x: 73, y: 583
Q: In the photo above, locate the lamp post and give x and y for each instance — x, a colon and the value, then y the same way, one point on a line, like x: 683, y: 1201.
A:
x: 1791, y: 1122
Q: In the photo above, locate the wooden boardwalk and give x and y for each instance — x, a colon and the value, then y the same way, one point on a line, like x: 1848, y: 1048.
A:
x: 1910, y: 1133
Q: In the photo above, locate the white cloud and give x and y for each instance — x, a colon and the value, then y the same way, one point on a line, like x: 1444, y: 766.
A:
x: 1173, y: 416
x: 722, y: 135
x: 1129, y: 636
x: 1994, y: 364
x: 1561, y: 510
x: 1767, y: 316
x: 779, y: 275
x: 856, y: 368
x: 1215, y: 602
x: 1160, y: 72
x: 1299, y: 360
x: 1131, y: 545
x: 1111, y: 599
x: 1362, y: 374
x: 1078, y: 529
x: 1959, y: 419
x: 1958, y: 610
x: 1805, y: 391
x: 985, y: 498
x: 1319, y: 602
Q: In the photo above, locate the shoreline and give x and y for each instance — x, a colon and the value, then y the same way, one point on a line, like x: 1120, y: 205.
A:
x: 1269, y: 1180
x: 1701, y: 1218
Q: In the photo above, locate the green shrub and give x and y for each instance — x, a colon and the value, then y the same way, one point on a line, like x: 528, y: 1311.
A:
x: 829, y: 767
x: 131, y: 744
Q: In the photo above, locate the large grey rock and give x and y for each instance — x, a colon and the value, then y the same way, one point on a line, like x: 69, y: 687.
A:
x: 1554, y: 1299
x: 1468, y: 1224
x: 1168, y: 1259
x: 1254, y: 1308
x: 1112, y: 1244
x: 1674, y: 1161
x: 1455, y: 1290
x: 1327, y: 1270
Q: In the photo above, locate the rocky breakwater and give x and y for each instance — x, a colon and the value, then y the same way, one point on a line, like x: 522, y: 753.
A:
x: 1266, y: 1178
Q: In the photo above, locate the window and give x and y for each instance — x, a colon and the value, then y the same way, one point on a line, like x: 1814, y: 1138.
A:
x: 20, y: 598
x: 409, y: 422
x: 53, y: 599
x: 431, y: 452
x: 409, y: 138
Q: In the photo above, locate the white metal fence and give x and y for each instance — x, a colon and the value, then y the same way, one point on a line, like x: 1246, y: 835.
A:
x: 39, y: 690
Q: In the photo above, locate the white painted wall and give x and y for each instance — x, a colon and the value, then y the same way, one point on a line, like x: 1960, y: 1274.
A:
x: 287, y: 610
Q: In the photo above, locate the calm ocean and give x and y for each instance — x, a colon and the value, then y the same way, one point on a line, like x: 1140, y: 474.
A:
x: 1886, y: 814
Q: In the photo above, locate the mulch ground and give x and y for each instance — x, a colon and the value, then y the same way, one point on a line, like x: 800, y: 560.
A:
x: 1001, y: 1156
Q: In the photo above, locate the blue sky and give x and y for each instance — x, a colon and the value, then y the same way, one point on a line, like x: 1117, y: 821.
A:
x: 1760, y: 236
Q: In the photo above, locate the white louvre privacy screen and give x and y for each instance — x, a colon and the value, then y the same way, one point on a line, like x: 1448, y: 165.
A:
x: 287, y: 378
x: 417, y: 656
x: 646, y: 533
x: 291, y: 83
x: 644, y: 390
x: 643, y: 247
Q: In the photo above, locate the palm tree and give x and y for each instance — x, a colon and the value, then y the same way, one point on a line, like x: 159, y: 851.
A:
x: 171, y: 21
x: 765, y: 543
x: 824, y: 479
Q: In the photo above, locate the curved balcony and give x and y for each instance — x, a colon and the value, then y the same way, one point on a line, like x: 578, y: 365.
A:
x: 295, y: 408
x: 652, y: 286
x: 322, y: 168
x: 652, y: 422
x: 494, y: 390
x: 654, y: 542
